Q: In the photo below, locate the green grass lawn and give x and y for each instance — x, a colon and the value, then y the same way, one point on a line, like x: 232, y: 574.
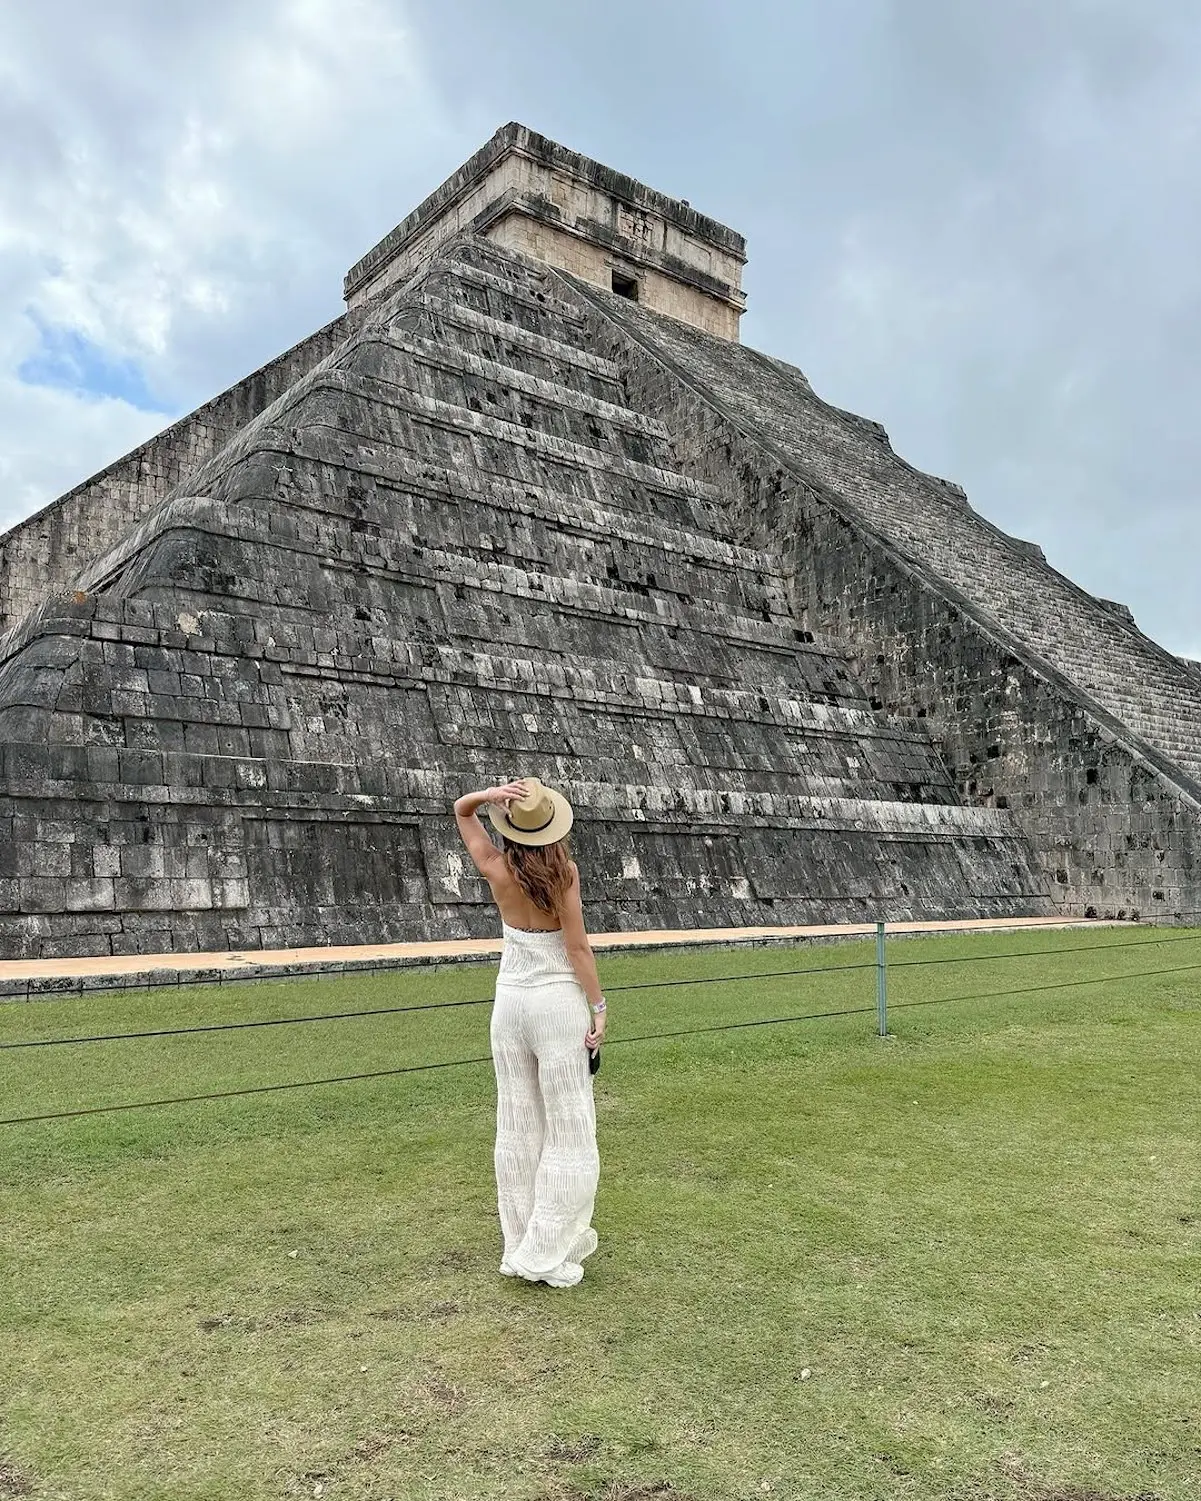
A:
x: 958, y: 1264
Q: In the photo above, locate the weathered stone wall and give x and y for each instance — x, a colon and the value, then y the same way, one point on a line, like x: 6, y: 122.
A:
x: 452, y: 552
x: 49, y: 550
x: 1115, y: 824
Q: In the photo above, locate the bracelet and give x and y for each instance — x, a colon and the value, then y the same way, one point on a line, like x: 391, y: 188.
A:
x: 599, y: 1007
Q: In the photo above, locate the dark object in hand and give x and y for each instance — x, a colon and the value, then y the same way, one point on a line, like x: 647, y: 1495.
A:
x: 593, y: 1060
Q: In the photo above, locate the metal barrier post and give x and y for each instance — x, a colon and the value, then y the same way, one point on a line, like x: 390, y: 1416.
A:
x: 881, y: 982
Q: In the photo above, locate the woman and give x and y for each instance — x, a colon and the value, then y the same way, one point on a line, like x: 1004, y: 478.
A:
x: 548, y: 1020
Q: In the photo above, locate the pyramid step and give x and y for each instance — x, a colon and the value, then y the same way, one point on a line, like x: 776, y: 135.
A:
x: 697, y: 805
x: 461, y: 316
x: 259, y: 572
x: 446, y: 357
x: 570, y: 743
x: 636, y: 689
x: 374, y: 393
x: 213, y: 763
x: 439, y: 530
x: 599, y: 519
x: 333, y: 785
x: 313, y: 465
x: 661, y: 609
x: 451, y: 341
x: 634, y: 564
x: 534, y: 297
x: 485, y: 255
x: 607, y: 686
x: 431, y: 486
x: 646, y: 805
x: 647, y: 526
x: 370, y: 649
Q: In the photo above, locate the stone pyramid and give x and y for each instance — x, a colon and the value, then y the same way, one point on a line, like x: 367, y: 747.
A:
x: 529, y: 507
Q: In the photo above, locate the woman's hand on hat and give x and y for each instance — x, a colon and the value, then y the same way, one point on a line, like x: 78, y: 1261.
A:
x: 508, y: 793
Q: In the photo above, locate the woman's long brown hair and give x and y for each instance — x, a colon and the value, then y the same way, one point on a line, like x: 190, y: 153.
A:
x: 542, y: 871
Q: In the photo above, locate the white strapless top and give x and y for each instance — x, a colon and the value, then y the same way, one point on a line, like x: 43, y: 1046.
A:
x: 534, y: 958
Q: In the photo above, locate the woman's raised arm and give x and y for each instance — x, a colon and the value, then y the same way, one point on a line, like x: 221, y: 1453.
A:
x: 471, y: 830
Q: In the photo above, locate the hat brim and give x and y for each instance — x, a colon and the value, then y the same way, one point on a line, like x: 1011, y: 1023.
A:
x: 561, y: 821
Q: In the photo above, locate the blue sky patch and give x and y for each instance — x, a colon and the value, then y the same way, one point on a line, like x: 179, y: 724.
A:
x: 69, y: 361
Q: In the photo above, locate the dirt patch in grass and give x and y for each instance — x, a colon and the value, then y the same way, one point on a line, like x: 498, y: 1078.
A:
x: 1037, y: 1492
x: 442, y: 1310
x: 640, y: 1490
x: 447, y: 1396
x: 14, y: 1482
x: 620, y: 1490
x: 1014, y: 1468
x: 574, y: 1451
x: 311, y: 1483
x: 264, y: 1321
x: 373, y: 1446
x: 370, y: 1447
x: 995, y: 1404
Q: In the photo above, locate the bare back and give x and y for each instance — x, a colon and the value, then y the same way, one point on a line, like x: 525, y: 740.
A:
x: 514, y: 905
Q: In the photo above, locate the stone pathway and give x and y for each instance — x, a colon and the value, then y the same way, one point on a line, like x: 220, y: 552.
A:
x: 30, y: 977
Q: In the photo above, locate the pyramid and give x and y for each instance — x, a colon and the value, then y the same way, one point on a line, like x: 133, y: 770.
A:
x: 529, y: 507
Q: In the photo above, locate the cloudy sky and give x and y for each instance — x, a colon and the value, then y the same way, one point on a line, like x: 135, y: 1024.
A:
x: 978, y: 224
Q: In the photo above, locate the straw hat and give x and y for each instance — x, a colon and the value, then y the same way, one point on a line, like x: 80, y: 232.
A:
x: 542, y: 817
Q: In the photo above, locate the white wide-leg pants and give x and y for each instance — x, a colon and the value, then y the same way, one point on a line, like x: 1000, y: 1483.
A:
x: 547, y: 1164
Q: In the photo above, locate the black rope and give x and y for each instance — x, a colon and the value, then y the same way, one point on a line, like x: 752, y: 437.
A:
x: 279, y: 1021
x: 984, y: 995
x: 1080, y: 948
x: 229, y: 1094
x: 947, y: 1000
x: 226, y: 1094
x: 286, y: 1021
x: 763, y: 974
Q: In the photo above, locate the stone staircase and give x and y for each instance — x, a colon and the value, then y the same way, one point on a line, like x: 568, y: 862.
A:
x: 1152, y: 692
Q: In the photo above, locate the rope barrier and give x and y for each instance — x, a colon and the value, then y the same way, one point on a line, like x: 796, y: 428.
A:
x: 225, y: 1094
x: 286, y: 1021
x: 822, y: 969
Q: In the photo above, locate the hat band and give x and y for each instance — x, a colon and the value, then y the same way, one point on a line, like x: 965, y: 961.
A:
x: 535, y: 828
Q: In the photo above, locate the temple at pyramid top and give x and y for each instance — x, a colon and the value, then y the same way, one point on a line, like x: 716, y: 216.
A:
x: 529, y: 194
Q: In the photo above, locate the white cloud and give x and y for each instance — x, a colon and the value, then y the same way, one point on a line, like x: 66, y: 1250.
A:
x: 189, y: 186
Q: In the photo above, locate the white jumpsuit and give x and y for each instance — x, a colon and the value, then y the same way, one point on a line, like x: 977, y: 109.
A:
x: 547, y: 1164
